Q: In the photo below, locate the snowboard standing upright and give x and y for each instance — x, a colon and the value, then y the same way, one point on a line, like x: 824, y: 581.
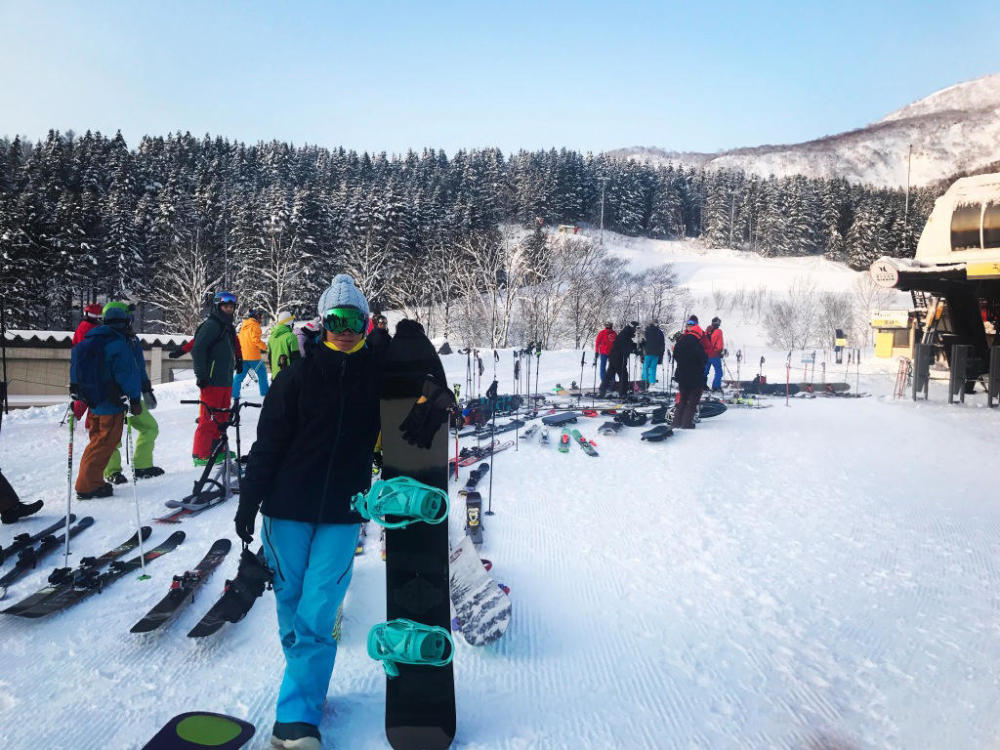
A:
x: 420, y: 702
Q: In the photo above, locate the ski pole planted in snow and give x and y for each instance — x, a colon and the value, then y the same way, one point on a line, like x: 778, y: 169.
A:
x: 135, y: 498
x: 69, y: 482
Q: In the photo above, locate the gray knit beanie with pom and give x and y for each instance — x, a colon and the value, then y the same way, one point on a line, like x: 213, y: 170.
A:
x: 342, y: 293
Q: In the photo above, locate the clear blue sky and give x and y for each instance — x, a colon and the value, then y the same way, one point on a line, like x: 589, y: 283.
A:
x: 387, y: 76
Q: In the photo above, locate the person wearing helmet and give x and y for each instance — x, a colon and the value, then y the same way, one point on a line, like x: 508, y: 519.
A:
x: 602, y: 346
x: 315, y: 443
x: 104, y: 373
x: 282, y: 345
x: 251, y: 348
x: 714, y: 345
x: 690, y: 358
x: 143, y: 423
x: 215, y: 353
x: 89, y: 321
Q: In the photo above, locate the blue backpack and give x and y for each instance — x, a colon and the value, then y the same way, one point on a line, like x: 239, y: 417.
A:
x: 89, y: 373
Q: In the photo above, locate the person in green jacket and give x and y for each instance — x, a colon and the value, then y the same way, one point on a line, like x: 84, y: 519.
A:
x: 143, y: 423
x: 282, y: 344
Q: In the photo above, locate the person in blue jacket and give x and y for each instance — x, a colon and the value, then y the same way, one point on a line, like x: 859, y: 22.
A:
x: 118, y: 371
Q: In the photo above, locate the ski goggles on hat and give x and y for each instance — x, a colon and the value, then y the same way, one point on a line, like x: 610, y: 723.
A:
x: 225, y: 298
x: 341, y: 319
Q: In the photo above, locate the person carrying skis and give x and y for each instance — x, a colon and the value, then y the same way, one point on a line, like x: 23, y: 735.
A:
x: 104, y: 373
x: 216, y: 358
x: 143, y: 422
x: 282, y: 345
x: 251, y: 348
x: 11, y: 507
x: 621, y: 349
x: 714, y: 346
x: 90, y: 320
x: 656, y: 345
x: 315, y: 443
x: 602, y: 346
x: 689, y: 372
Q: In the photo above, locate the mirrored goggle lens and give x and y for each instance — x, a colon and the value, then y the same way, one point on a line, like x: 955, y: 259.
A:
x: 227, y: 298
x: 342, y: 319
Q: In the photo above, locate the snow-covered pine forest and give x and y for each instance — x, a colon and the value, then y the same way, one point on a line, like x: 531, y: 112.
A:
x: 85, y: 218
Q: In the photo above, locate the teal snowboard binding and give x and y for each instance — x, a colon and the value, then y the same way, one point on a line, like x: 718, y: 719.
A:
x: 407, y: 642
x: 409, y: 500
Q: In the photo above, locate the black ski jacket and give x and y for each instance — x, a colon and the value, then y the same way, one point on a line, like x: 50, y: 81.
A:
x: 623, y: 346
x: 656, y: 344
x: 689, y: 361
x: 316, y: 437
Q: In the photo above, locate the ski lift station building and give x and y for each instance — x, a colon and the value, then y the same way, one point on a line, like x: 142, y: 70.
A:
x: 955, y: 277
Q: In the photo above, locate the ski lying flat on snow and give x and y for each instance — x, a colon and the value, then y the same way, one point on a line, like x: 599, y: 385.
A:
x: 84, y: 586
x: 182, y: 588
x: 474, y: 476
x: 64, y: 577
x: 582, y: 442
x: 28, y: 558
x: 26, y: 540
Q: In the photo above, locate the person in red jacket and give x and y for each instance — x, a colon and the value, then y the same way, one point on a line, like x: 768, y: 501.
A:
x: 602, y: 346
x: 91, y: 319
x: 714, y: 346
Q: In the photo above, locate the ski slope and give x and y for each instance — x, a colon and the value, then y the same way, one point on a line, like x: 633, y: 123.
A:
x: 818, y: 575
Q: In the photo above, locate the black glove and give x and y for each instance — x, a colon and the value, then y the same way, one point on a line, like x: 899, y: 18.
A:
x: 149, y: 398
x: 135, y: 406
x: 74, y: 391
x: 239, y: 367
x: 427, y: 415
x: 246, y: 518
x: 201, y: 383
x: 175, y: 353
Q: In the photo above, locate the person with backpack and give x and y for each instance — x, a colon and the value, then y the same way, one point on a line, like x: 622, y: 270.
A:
x: 143, y: 423
x: 282, y: 344
x: 216, y: 358
x: 689, y: 372
x: 315, y: 444
x: 622, y: 348
x: 251, y: 349
x: 656, y: 346
x: 714, y: 346
x: 602, y: 346
x: 105, y: 375
x: 90, y: 320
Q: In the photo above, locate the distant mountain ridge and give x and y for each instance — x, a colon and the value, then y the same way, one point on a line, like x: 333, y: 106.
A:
x: 954, y: 130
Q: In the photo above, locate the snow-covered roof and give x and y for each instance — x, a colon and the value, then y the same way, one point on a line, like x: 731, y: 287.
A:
x: 27, y: 337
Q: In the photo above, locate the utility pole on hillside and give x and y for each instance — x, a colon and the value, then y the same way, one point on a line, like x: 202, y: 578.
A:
x: 603, y: 182
x: 906, y: 205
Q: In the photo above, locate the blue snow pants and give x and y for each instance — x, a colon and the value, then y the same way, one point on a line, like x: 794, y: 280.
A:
x: 649, y: 364
x: 715, y: 362
x: 261, y: 371
x: 312, y: 564
x: 604, y: 365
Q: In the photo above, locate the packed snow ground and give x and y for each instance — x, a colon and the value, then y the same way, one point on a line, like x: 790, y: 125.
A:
x: 787, y: 577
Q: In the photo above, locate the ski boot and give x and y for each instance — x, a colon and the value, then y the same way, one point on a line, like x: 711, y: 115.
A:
x: 410, y: 500
x: 148, y: 473
x: 116, y: 478
x: 404, y: 641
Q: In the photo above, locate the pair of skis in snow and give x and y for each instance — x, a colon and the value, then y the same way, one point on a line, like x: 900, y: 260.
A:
x: 182, y: 590
x: 28, y: 555
x: 69, y: 586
